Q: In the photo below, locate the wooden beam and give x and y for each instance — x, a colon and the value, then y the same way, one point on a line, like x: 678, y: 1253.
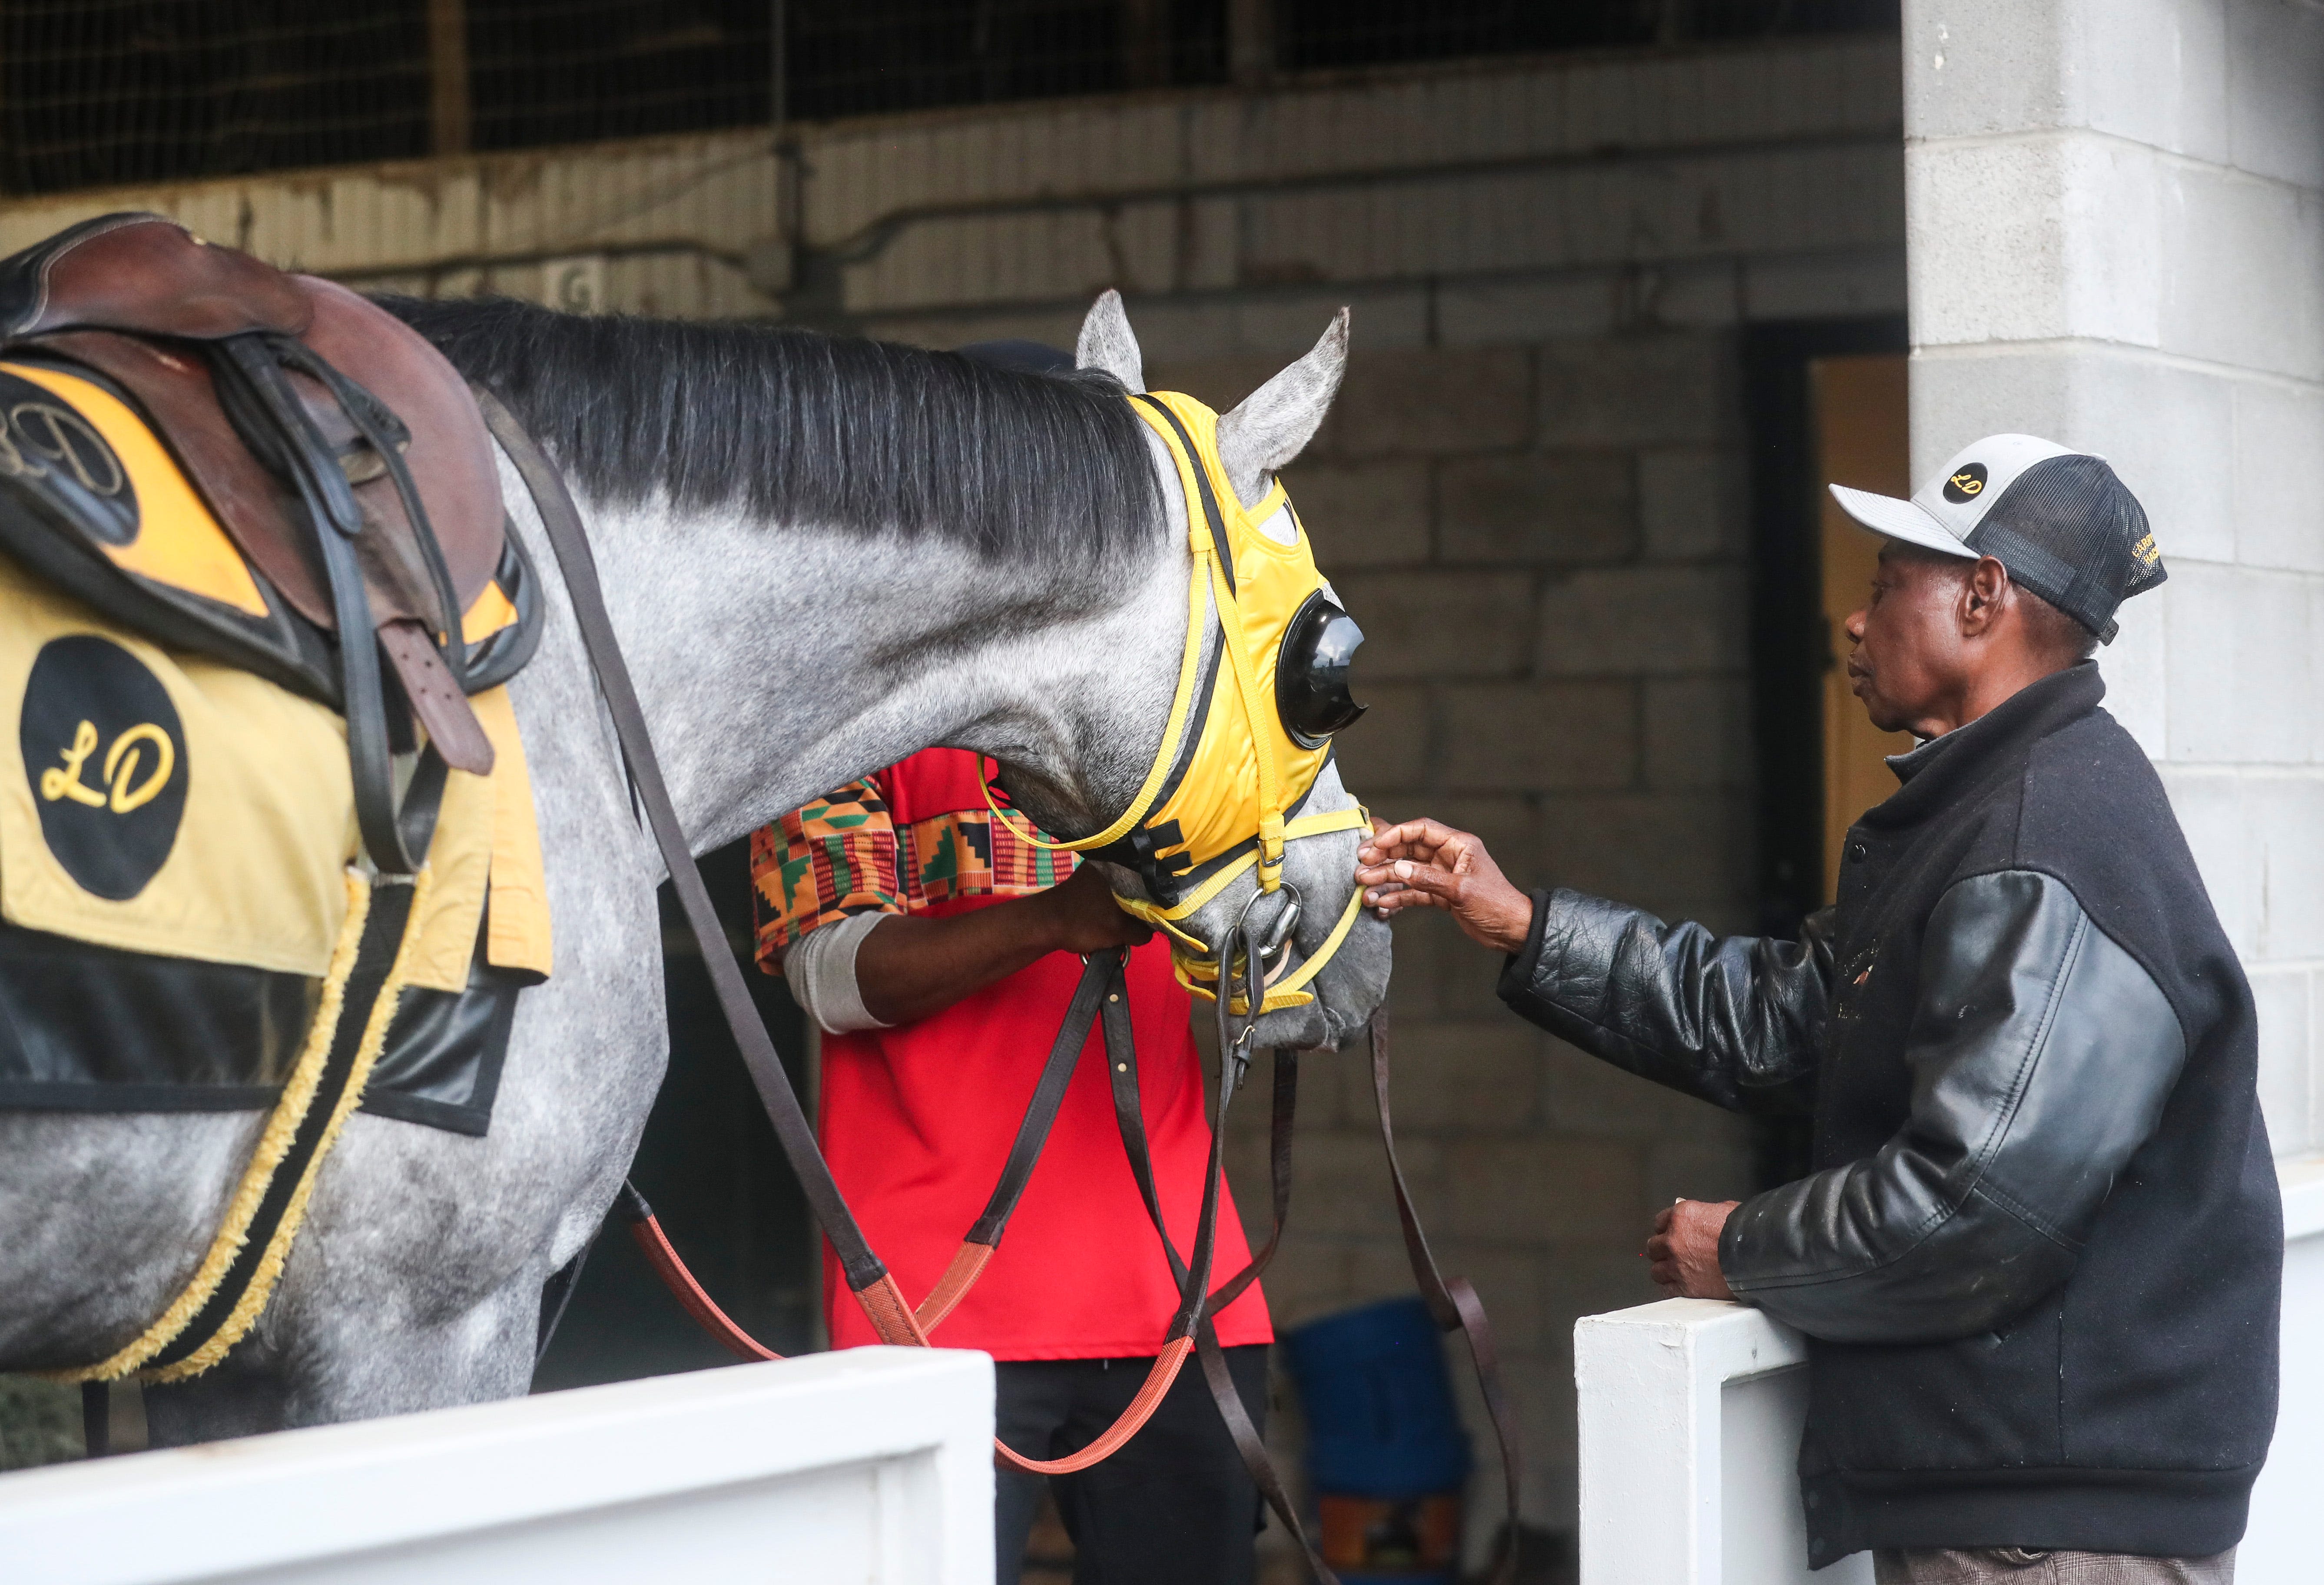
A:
x: 1145, y: 44
x: 450, y: 113
x: 1250, y: 41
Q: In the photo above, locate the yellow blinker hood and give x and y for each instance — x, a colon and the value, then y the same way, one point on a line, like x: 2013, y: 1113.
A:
x: 1225, y: 787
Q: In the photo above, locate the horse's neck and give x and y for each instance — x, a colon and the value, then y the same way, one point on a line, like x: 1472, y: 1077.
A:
x: 776, y: 663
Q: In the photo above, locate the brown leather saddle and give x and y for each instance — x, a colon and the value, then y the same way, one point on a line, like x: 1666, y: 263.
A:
x: 341, y: 453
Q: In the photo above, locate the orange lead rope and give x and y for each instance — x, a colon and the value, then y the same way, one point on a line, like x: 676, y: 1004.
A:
x: 898, y: 1323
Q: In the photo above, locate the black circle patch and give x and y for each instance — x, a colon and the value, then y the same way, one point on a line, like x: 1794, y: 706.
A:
x: 1966, y: 485
x: 105, y: 755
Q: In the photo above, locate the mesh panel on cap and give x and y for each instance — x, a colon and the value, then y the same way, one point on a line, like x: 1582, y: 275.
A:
x: 2069, y: 530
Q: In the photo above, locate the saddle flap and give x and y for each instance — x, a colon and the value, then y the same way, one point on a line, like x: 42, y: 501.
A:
x: 450, y: 454
x: 149, y: 276
x: 256, y: 509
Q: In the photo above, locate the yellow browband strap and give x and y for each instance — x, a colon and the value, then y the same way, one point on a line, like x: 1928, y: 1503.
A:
x: 1252, y: 599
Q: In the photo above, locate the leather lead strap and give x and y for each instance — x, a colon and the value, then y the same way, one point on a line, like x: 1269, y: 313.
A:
x: 1122, y: 1054
x: 645, y: 1230
x: 1101, y: 976
x: 562, y: 523
x: 1454, y: 1303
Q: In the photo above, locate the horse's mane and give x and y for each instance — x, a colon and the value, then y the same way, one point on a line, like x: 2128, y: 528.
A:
x: 867, y: 437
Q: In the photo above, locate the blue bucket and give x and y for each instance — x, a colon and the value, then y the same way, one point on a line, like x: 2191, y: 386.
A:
x: 1380, y: 1419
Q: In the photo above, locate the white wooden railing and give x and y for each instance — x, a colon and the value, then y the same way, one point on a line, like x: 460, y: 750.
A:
x: 874, y: 1465
x: 1691, y: 1414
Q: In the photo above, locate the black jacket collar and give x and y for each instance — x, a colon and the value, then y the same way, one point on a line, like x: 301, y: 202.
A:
x: 1942, y: 769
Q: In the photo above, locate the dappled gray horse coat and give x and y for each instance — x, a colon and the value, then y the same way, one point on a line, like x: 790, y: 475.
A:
x: 821, y: 556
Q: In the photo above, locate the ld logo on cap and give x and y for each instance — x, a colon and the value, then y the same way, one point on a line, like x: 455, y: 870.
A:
x: 1966, y: 485
x: 104, y: 752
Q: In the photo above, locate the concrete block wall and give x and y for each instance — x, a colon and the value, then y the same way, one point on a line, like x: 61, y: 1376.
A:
x: 2117, y: 225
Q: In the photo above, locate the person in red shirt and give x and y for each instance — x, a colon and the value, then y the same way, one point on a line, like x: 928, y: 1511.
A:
x: 938, y: 951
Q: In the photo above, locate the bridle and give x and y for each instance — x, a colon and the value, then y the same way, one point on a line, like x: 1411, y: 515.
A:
x: 1170, y: 835
x: 1240, y: 753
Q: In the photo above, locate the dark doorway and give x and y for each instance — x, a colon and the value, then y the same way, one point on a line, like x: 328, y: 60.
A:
x: 1791, y: 634
x: 1790, y: 646
x: 710, y: 1165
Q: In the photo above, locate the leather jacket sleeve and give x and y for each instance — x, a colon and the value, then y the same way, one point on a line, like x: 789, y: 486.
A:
x: 1738, y: 1020
x: 2042, y: 1055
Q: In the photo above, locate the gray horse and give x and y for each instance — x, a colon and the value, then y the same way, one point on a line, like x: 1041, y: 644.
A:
x: 821, y: 556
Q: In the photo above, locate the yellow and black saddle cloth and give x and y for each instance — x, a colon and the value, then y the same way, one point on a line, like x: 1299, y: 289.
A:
x: 188, y: 922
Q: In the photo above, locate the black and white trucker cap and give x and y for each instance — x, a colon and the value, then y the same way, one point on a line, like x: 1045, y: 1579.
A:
x: 2060, y: 520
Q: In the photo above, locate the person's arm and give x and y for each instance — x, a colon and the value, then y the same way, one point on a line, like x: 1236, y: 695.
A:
x: 821, y: 877
x: 1736, y: 1020
x: 831, y: 920
x: 906, y: 968
x: 2041, y: 1055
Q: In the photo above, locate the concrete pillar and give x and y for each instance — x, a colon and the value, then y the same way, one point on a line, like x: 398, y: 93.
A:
x: 2116, y: 221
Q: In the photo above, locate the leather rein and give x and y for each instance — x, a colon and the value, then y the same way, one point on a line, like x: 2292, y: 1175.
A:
x: 1101, y: 997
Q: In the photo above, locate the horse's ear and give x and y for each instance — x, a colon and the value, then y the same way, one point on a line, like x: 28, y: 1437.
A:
x: 1107, y: 342
x: 1274, y: 423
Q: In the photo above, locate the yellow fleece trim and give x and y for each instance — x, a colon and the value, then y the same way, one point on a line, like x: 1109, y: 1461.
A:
x: 273, y: 1144
x: 255, y: 1297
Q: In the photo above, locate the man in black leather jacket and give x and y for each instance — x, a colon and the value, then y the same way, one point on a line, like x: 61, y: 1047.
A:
x: 2038, y: 1259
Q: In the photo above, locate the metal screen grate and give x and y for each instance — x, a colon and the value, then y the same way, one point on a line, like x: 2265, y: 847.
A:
x: 97, y: 93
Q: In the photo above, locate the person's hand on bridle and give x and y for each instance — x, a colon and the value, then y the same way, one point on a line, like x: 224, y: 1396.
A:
x: 1082, y: 916
x: 1423, y: 863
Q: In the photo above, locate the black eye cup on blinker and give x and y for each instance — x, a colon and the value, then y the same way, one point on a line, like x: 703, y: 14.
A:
x: 1311, y: 672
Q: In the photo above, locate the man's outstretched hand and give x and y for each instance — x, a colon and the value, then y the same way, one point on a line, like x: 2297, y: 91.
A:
x: 1423, y: 863
x: 1684, y: 1250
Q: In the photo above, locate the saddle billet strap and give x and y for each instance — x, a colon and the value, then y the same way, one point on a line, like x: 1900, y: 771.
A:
x: 97, y: 1419
x: 387, y: 435
x: 1452, y: 1303
x: 286, y: 441
x: 561, y: 521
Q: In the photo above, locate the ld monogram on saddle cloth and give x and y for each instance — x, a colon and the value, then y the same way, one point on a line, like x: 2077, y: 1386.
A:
x: 196, y: 819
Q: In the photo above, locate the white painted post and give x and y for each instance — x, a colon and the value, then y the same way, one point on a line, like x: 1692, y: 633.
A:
x: 871, y: 1465
x: 1690, y: 1413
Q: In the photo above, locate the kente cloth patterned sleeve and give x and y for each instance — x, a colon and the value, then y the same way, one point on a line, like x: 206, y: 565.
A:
x: 837, y: 856
x: 846, y: 853
x: 964, y: 854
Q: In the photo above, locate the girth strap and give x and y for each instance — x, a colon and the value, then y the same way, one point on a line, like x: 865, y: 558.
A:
x: 276, y: 425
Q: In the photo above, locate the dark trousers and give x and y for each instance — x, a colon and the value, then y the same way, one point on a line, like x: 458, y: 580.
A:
x: 1174, y: 1507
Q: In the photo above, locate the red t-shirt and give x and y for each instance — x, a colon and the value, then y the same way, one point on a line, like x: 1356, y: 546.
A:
x: 918, y: 1120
